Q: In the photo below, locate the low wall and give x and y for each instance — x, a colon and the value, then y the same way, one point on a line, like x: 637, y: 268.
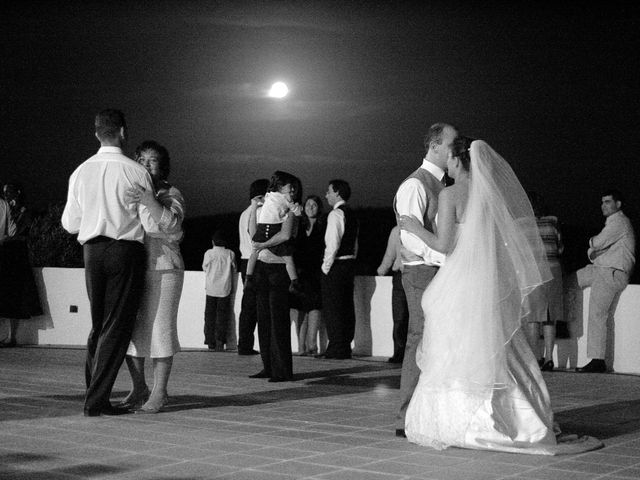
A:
x: 60, y: 288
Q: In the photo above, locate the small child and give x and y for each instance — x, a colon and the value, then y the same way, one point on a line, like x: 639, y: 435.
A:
x: 219, y: 265
x: 278, y: 202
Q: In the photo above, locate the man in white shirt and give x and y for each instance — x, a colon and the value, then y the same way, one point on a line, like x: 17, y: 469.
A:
x: 418, y: 196
x: 338, y: 268
x: 612, y: 256
x: 248, y: 310
x: 111, y: 234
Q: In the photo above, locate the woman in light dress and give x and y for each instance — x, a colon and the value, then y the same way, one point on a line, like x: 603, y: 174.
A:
x: 155, y: 334
x: 480, y: 385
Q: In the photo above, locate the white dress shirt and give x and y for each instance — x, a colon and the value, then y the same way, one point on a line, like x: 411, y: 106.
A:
x: 96, y: 197
x: 7, y: 226
x: 333, y: 237
x: 411, y: 199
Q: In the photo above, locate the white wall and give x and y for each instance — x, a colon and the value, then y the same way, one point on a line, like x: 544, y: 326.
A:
x: 62, y: 287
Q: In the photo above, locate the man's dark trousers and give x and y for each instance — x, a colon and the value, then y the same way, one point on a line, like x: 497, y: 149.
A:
x: 338, y: 310
x: 114, y: 273
x: 248, y: 314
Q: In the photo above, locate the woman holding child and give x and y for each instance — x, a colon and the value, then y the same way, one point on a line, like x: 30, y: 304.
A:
x: 274, y: 272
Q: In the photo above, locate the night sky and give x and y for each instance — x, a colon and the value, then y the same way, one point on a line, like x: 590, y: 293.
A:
x: 552, y: 87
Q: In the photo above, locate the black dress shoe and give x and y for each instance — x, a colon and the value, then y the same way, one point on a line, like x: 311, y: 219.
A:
x: 547, y: 366
x: 260, y: 374
x: 109, y: 410
x: 248, y: 352
x: 594, y: 366
x: 395, y: 359
x: 279, y: 379
x: 400, y: 433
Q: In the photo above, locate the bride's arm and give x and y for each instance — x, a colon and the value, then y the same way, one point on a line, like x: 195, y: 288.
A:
x: 443, y: 240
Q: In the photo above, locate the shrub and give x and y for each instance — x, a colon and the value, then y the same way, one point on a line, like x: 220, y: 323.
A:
x: 50, y: 245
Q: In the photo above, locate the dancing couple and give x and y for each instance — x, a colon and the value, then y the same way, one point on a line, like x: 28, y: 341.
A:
x: 469, y: 378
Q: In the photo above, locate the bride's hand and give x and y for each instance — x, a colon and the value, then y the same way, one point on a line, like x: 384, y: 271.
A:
x: 410, y: 223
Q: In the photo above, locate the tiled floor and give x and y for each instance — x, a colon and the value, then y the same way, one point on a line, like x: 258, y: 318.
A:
x: 334, y: 422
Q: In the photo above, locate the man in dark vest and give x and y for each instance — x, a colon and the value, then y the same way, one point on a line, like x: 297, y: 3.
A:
x: 338, y: 268
x: 418, y: 196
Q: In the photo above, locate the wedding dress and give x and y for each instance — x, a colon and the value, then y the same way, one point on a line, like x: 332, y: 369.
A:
x: 480, y: 386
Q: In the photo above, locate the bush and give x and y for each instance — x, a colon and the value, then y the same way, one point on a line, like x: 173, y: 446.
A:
x: 50, y: 245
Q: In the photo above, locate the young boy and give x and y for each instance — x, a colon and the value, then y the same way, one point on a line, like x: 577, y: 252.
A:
x: 219, y: 265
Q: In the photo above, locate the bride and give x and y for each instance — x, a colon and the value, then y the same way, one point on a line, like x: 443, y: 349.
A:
x: 480, y: 386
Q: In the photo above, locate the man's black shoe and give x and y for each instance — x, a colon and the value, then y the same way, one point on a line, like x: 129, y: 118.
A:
x: 248, y: 352
x: 395, y: 359
x: 279, y: 379
x: 594, y: 366
x: 400, y: 433
x: 260, y: 374
x: 109, y: 411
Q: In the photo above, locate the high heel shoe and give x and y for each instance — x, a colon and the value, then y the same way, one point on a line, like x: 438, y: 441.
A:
x: 134, y: 402
x: 547, y: 366
x: 153, y: 409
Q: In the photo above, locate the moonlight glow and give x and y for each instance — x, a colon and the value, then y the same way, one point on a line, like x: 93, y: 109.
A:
x: 278, y: 90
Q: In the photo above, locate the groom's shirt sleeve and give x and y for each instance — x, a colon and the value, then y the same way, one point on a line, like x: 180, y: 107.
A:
x: 411, y: 199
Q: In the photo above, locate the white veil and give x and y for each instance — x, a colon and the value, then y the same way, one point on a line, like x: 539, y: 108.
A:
x: 477, y: 300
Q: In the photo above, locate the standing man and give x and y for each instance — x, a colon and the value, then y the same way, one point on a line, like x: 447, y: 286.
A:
x: 111, y: 234
x: 338, y: 267
x: 612, y: 254
x: 248, y: 312
x: 418, y: 196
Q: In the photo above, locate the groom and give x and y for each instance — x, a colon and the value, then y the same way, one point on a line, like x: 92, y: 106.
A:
x: 418, y: 196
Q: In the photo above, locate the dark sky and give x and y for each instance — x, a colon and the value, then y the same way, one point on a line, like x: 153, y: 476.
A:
x: 552, y: 87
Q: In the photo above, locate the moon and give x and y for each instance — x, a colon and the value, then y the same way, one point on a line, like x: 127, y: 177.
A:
x: 278, y: 90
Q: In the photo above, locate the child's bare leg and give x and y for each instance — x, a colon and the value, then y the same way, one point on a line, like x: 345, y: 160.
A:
x: 294, y: 286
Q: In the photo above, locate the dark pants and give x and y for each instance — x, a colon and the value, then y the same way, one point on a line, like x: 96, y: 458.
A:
x: 274, y: 324
x: 338, y: 310
x: 114, y: 273
x: 216, y: 319
x: 248, y: 315
x: 415, y: 280
x: 400, y: 312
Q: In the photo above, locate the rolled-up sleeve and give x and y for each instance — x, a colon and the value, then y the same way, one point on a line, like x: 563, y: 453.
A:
x: 411, y: 199
x: 332, y: 238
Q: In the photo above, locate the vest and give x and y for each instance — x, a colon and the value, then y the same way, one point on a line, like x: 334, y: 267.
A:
x: 348, y: 240
x: 432, y: 186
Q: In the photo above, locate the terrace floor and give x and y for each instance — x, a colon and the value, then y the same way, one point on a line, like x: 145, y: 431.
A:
x: 334, y: 422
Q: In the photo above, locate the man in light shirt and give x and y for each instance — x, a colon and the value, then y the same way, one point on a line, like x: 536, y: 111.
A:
x: 111, y: 234
x: 612, y: 256
x: 418, y: 196
x: 338, y: 268
x: 248, y: 310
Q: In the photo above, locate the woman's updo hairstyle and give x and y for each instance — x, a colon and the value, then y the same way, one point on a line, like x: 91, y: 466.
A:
x: 460, y: 149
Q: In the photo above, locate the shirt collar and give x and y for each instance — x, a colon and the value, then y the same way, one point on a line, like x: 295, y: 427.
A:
x: 433, y: 169
x: 338, y: 203
x: 110, y: 149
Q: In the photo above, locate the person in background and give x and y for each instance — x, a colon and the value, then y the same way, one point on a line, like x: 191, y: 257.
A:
x: 306, y: 307
x: 278, y: 201
x: 338, y: 271
x: 272, y: 289
x: 219, y: 265
x: 155, y: 334
x: 248, y: 315
x: 20, y: 300
x: 613, y: 257
x: 546, y: 309
x: 111, y: 234
x: 399, y: 308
